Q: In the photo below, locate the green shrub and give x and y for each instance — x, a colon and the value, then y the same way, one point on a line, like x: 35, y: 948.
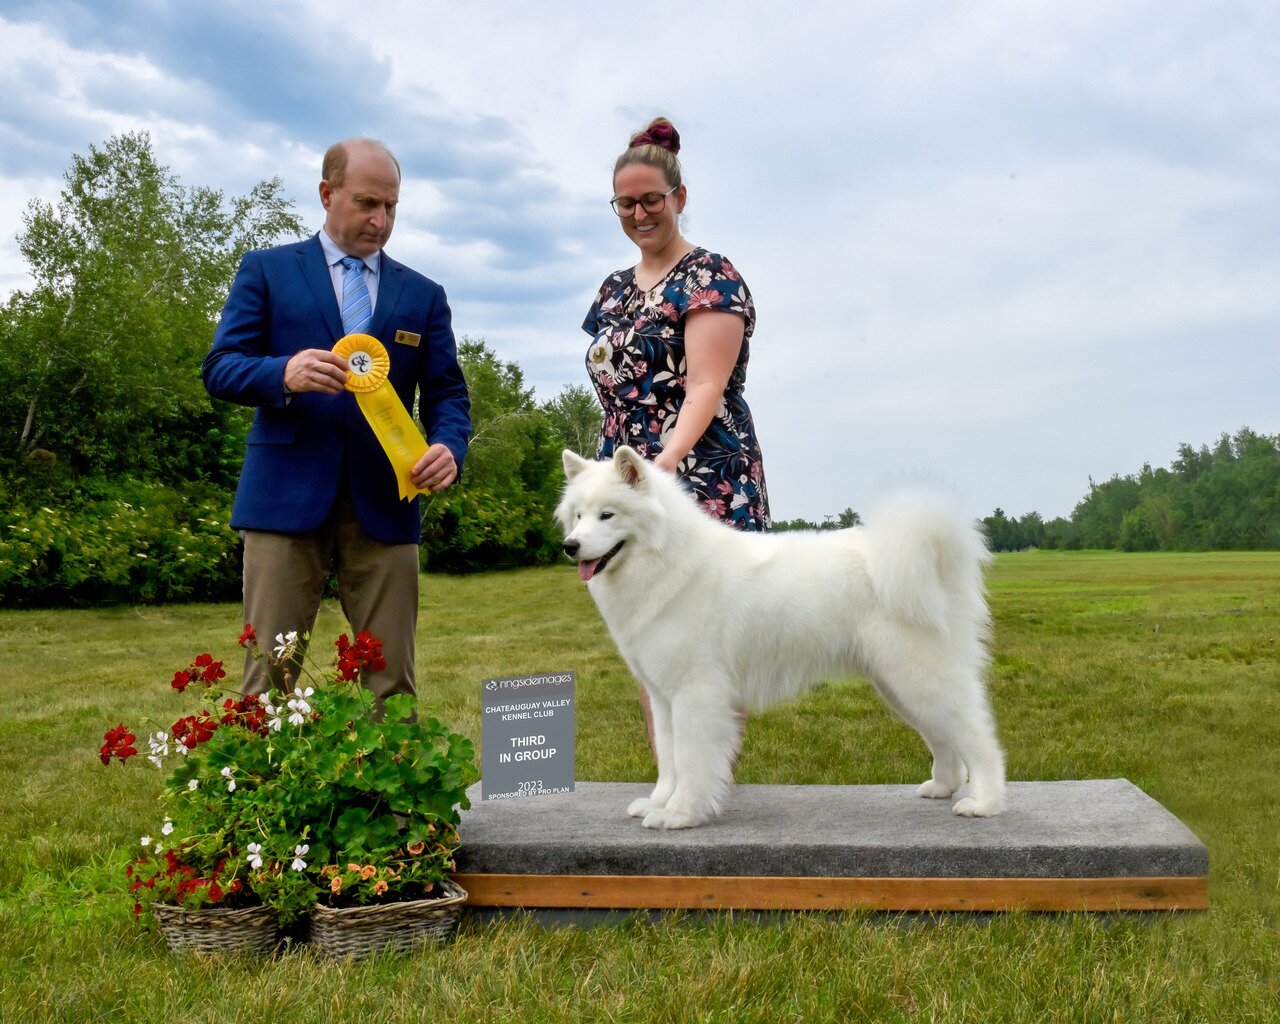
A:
x: 108, y: 542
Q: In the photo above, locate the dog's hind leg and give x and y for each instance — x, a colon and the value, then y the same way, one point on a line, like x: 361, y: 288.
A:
x: 953, y: 718
x: 660, y: 710
x: 974, y: 736
x: 967, y: 730
x: 949, y: 772
x: 705, y: 735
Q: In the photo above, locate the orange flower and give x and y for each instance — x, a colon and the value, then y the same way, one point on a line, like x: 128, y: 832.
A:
x: 336, y: 884
x: 379, y: 887
x: 367, y: 872
x: 353, y: 867
x: 416, y: 848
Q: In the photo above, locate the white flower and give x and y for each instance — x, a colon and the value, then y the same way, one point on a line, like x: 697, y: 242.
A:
x: 298, y: 851
x: 146, y: 840
x: 286, y: 643
x: 181, y: 748
x: 167, y: 829
x: 159, y: 743
x: 299, y: 706
x: 255, y: 855
x: 193, y: 785
x: 231, y: 782
x: 273, y: 716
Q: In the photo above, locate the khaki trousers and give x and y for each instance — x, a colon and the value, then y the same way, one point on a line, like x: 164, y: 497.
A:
x: 284, y: 576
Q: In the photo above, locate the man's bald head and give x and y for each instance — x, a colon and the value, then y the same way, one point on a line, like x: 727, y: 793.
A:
x: 334, y: 167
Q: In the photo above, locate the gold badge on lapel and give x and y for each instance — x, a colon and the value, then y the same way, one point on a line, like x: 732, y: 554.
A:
x: 408, y: 338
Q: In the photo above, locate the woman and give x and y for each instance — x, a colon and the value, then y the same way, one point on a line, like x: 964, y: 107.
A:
x: 671, y: 340
x: 670, y: 348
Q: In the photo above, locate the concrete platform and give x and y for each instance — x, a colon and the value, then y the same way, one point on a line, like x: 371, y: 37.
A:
x: 1091, y: 845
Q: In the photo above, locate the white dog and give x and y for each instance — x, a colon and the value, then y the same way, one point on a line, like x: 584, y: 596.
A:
x: 712, y: 620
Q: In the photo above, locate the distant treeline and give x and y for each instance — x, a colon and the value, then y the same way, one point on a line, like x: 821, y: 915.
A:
x: 1225, y: 497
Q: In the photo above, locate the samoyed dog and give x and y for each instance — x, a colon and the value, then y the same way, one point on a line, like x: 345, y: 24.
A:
x: 713, y: 621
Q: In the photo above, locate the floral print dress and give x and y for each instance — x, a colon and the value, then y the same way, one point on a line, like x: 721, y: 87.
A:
x: 637, y: 363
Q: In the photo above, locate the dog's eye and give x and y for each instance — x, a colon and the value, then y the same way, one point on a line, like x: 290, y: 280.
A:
x: 606, y: 515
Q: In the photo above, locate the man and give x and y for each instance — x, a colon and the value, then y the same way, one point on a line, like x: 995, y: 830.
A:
x: 316, y: 485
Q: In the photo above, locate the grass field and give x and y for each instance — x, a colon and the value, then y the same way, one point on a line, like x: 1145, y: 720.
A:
x: 1164, y: 669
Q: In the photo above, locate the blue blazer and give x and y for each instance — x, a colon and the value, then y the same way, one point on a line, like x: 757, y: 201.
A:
x: 300, y: 451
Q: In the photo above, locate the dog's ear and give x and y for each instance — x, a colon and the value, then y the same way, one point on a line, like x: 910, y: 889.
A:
x: 630, y: 465
x: 573, y: 464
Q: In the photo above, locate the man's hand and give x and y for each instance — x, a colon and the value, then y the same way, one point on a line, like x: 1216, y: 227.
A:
x: 316, y: 369
x: 436, y: 470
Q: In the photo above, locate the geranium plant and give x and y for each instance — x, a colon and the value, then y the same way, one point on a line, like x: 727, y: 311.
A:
x: 313, y: 793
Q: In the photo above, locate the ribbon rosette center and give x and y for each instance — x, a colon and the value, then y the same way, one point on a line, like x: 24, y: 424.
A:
x: 368, y: 366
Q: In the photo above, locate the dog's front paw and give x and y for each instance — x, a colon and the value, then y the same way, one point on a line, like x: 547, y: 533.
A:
x: 935, y: 790
x: 972, y: 808
x: 640, y: 808
x: 662, y: 817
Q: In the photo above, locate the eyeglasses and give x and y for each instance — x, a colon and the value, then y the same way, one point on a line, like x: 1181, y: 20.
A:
x: 653, y: 202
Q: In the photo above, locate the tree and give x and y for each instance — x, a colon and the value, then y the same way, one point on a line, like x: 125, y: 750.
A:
x: 501, y: 512
x: 101, y: 355
x: 847, y: 519
x: 574, y: 417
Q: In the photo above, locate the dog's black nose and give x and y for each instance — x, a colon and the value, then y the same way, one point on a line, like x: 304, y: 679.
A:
x: 571, y: 548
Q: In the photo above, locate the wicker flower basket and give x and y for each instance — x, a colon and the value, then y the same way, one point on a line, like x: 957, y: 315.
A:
x: 396, y: 927
x: 217, y: 930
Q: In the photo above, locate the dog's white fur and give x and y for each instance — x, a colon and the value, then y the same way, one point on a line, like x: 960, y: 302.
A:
x: 711, y: 620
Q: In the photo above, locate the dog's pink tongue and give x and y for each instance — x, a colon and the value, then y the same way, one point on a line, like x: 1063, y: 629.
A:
x: 588, y: 569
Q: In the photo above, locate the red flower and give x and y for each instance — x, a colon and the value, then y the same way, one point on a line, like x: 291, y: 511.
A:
x: 364, y: 654
x: 248, y: 636
x: 119, y: 743
x: 137, y: 909
x: 191, y: 731
x: 704, y: 298
x: 206, y: 669
x: 248, y: 712
x: 182, y: 679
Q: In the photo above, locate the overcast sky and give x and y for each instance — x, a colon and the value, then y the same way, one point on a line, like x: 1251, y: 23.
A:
x: 1000, y: 246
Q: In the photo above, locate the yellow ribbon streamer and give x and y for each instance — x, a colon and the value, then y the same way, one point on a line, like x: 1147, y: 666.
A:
x: 367, y: 367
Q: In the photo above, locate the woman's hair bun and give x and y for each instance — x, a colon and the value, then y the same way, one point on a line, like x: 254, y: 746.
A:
x: 660, y: 132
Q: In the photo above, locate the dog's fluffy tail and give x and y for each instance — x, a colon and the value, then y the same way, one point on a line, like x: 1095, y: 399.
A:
x: 926, y: 562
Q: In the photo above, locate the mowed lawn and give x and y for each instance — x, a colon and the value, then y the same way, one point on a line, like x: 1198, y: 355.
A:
x: 1161, y: 668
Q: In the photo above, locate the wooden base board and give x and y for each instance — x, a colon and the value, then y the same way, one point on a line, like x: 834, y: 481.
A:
x: 665, y: 892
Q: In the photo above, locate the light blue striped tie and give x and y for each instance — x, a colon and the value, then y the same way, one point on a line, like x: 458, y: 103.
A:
x: 357, y: 307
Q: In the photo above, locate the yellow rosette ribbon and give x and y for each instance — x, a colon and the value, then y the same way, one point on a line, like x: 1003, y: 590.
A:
x: 367, y: 367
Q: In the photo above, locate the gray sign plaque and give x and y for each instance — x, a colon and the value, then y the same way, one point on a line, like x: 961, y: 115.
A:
x: 526, y: 731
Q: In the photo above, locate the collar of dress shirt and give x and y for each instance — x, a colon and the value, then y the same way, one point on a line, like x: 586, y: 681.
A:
x: 332, y: 254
